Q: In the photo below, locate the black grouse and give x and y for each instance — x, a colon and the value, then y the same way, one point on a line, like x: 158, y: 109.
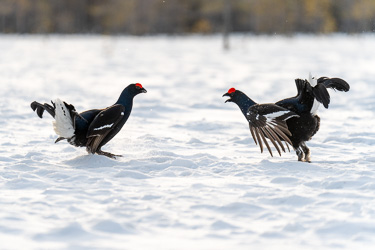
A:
x: 306, y: 103
x: 265, y: 120
x: 92, y: 128
x: 301, y: 126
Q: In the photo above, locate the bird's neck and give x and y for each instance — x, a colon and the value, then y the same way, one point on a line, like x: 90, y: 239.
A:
x: 244, y: 102
x: 126, y: 99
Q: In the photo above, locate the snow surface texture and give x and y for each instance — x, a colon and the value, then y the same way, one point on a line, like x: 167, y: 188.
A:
x: 191, y: 176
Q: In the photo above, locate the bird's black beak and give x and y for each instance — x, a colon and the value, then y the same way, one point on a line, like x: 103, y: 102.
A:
x: 143, y: 90
x: 229, y: 100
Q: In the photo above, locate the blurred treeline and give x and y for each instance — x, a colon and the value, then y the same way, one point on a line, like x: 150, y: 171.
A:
x: 186, y: 16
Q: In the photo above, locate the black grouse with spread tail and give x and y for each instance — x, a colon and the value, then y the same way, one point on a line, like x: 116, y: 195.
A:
x: 301, y: 124
x: 92, y: 128
x: 306, y: 103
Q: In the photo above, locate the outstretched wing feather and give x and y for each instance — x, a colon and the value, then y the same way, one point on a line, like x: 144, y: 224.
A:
x: 261, y: 132
x: 282, y: 126
x: 259, y: 140
x: 282, y: 135
x: 268, y: 121
x: 271, y: 135
x: 287, y: 146
x: 252, y: 134
x: 284, y: 131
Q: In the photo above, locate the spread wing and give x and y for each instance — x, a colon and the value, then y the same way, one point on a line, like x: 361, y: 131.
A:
x: 269, y: 121
x: 102, y: 124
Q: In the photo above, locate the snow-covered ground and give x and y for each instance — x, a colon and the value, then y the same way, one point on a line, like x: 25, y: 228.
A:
x: 190, y: 177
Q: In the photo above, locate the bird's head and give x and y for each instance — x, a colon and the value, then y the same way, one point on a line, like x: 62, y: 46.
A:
x: 139, y: 88
x: 232, y: 95
x: 130, y: 92
x: 134, y: 89
x: 239, y: 98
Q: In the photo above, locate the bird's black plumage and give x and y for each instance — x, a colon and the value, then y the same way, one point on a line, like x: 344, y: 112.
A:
x: 92, y: 128
x: 305, y: 123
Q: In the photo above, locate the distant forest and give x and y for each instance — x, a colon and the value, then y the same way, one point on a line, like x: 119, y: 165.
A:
x: 142, y: 17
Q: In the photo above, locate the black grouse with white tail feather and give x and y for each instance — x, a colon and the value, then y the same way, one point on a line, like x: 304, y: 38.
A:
x: 306, y: 103
x: 92, y: 128
x: 302, y: 122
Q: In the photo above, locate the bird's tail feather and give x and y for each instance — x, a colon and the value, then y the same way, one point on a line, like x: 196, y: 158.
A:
x: 301, y: 85
x: 334, y: 83
x: 320, y: 90
x: 321, y: 94
x: 64, y: 123
x: 39, y: 108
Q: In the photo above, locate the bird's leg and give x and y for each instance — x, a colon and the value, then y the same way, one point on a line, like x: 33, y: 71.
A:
x: 306, y: 150
x: 300, y: 154
x: 113, y: 156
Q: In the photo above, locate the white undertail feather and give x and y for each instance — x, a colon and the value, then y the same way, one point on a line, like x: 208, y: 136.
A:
x: 313, y: 82
x: 63, y: 124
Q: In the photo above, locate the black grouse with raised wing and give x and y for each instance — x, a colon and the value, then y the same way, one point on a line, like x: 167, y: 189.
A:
x: 265, y: 120
x: 300, y: 125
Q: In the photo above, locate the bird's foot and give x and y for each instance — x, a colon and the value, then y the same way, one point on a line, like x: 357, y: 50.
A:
x: 306, y: 151
x: 304, y: 159
x: 300, y: 154
x: 113, y: 156
x: 307, y: 158
x: 303, y: 153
